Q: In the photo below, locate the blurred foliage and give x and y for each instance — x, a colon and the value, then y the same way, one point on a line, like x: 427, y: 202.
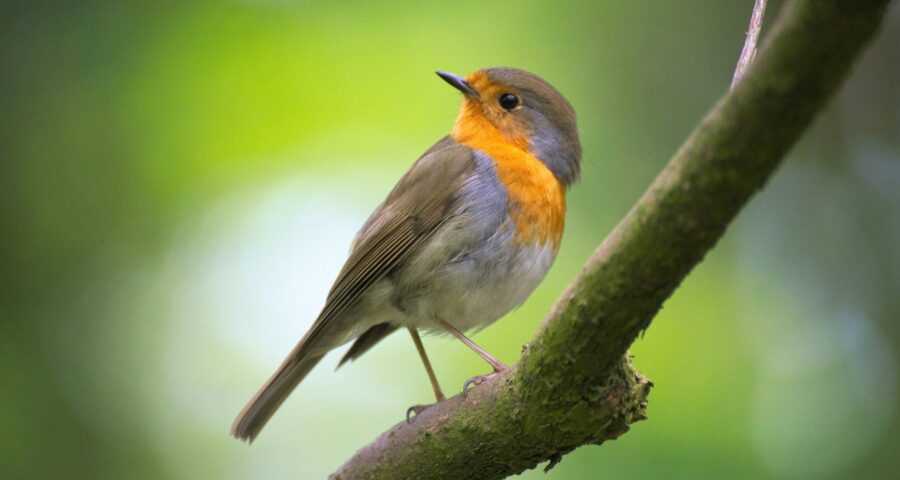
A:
x: 179, y: 183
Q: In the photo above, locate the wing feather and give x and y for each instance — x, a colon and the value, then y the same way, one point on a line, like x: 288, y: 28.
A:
x: 416, y: 208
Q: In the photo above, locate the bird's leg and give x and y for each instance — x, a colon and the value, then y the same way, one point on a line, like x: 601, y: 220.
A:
x: 497, y: 365
x: 438, y: 394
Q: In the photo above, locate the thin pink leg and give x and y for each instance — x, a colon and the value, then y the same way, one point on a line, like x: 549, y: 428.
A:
x: 438, y: 394
x: 496, y: 364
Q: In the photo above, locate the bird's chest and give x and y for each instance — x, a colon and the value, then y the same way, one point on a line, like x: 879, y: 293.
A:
x: 513, y: 220
x: 536, y: 199
x: 495, y: 250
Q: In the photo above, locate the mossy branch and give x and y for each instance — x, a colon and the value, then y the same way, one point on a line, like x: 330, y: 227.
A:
x: 573, y: 384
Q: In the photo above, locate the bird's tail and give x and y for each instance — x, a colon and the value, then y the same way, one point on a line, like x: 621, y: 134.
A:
x: 254, y: 416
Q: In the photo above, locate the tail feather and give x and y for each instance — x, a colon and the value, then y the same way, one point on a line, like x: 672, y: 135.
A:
x: 366, y: 341
x: 254, y: 416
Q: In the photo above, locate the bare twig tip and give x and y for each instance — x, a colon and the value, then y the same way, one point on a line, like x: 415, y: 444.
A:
x: 748, y: 53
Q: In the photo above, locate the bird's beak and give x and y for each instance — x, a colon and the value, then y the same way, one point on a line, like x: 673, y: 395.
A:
x: 459, y: 83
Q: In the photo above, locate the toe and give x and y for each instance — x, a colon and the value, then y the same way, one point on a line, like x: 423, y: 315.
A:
x: 414, y: 411
x: 474, y: 381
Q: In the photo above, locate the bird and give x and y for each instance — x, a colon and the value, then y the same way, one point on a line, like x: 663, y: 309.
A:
x: 464, y: 237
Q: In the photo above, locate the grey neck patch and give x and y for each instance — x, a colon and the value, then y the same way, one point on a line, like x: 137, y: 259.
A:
x: 560, y: 154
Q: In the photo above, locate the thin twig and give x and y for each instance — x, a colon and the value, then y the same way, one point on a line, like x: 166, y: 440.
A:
x: 748, y: 53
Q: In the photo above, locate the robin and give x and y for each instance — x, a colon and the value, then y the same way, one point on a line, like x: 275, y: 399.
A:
x: 463, y: 238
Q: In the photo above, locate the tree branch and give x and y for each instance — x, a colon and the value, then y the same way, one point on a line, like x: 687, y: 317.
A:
x: 573, y: 384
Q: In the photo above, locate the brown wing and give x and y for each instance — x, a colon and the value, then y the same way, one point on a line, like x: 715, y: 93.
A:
x: 417, y: 207
x: 419, y: 203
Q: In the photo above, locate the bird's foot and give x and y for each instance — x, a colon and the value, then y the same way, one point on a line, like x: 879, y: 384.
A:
x: 475, y: 381
x: 414, y: 411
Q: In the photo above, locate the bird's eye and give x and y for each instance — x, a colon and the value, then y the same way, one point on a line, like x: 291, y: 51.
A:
x: 508, y: 101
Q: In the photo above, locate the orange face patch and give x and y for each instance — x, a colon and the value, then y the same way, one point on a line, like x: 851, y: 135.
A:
x: 537, y: 201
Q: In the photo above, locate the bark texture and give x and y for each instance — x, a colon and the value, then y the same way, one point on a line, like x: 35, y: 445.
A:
x: 574, y: 385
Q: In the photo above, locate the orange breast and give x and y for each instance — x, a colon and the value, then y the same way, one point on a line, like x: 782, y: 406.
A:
x: 537, y: 201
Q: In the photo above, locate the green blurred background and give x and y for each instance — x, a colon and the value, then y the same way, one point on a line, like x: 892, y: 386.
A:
x: 180, y: 182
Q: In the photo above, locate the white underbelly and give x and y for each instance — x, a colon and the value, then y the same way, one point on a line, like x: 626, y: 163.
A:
x: 473, y: 294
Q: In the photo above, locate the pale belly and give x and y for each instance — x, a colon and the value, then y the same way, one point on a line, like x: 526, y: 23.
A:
x: 469, y: 290
x: 475, y: 295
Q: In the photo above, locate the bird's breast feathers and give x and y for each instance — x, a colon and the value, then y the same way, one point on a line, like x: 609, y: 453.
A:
x: 536, y: 199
